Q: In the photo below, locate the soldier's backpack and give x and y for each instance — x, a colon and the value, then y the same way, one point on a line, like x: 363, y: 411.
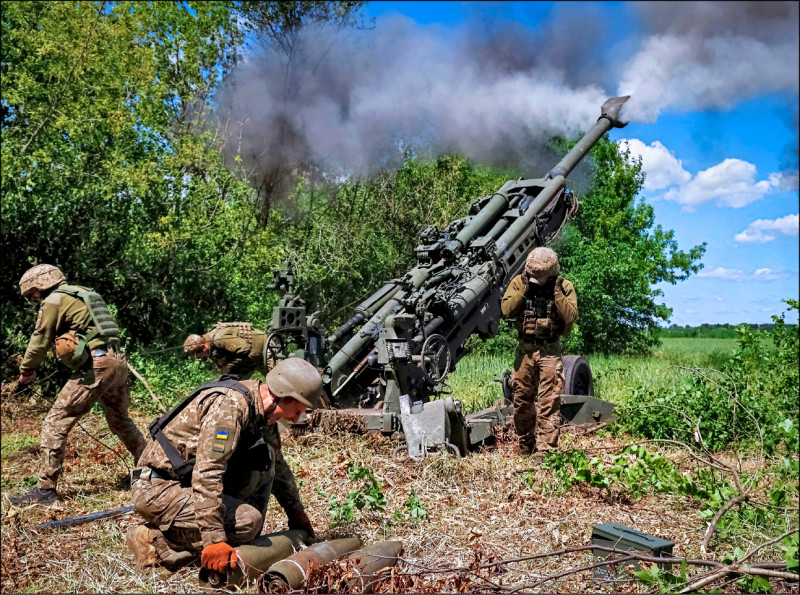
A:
x: 254, y: 446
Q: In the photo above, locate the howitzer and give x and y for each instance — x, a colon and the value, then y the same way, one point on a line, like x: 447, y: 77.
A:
x: 397, y: 349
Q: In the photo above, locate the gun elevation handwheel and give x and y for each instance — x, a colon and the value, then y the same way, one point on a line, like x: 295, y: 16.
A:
x: 436, y: 358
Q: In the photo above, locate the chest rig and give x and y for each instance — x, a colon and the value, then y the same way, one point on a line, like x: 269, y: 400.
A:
x: 540, y: 319
x: 245, y: 331
x: 71, y: 348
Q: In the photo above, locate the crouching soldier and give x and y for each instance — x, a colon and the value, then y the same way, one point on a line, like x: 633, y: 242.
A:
x: 545, y: 307
x: 208, y: 472
x: 235, y: 348
x: 86, y: 338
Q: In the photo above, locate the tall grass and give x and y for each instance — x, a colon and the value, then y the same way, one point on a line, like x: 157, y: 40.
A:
x: 616, y: 377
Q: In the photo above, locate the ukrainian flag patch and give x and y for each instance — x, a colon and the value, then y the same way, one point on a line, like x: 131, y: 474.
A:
x: 221, y: 445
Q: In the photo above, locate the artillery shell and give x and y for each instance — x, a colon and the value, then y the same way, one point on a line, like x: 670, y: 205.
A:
x: 372, y: 559
x: 290, y: 574
x: 254, y: 558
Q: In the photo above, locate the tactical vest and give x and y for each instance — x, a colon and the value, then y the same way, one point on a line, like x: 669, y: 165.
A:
x: 104, y: 324
x: 540, y: 319
x: 251, y: 453
x: 245, y: 331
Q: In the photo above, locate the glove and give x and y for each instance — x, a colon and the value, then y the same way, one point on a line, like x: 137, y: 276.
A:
x: 218, y: 556
x: 298, y: 520
x: 27, y: 377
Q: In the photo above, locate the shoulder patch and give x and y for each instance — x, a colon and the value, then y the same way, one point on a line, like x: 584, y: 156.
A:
x: 221, y: 445
x: 38, y: 319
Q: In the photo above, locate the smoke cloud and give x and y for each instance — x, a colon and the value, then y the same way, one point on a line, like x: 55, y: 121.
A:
x: 350, y: 102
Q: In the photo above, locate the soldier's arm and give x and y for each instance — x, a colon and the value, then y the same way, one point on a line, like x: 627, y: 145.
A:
x: 219, y: 435
x: 514, y: 298
x: 567, y: 304
x: 284, y: 486
x: 43, y: 335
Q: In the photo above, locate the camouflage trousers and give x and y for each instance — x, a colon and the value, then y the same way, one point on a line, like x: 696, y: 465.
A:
x: 537, y: 380
x: 107, y: 383
x: 166, y: 505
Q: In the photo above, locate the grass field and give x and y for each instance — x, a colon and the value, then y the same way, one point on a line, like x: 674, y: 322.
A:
x: 491, y: 504
x: 615, y: 377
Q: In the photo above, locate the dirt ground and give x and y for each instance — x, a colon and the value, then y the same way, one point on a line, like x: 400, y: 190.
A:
x: 479, y: 508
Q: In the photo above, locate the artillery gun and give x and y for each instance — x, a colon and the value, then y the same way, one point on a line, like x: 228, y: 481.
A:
x: 391, y: 358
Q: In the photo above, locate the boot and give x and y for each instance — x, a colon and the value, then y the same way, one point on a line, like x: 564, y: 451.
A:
x: 151, y: 549
x: 36, y: 495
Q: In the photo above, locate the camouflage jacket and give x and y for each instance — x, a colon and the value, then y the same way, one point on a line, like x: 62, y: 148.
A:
x: 566, y: 301
x: 239, y: 350
x: 209, y: 430
x: 58, y: 314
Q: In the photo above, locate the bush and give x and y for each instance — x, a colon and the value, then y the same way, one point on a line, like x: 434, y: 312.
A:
x: 762, y: 375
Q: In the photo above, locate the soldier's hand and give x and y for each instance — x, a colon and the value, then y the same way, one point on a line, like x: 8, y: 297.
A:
x: 298, y: 520
x: 218, y: 556
x: 559, y: 285
x: 27, y: 378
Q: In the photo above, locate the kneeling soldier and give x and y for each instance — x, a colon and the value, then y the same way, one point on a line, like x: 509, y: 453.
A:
x: 235, y: 347
x: 545, y: 307
x: 86, y: 339
x: 208, y: 472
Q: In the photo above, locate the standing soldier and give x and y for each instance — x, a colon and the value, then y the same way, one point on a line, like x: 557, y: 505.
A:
x: 208, y: 472
x: 86, y: 339
x: 235, y: 347
x: 545, y: 307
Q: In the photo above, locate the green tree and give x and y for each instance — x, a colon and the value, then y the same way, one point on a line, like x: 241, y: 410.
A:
x: 108, y: 171
x: 615, y: 254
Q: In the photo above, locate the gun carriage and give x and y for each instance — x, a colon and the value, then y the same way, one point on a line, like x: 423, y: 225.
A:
x: 391, y: 359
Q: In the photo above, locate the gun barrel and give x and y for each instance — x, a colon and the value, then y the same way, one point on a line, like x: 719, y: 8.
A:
x: 520, y: 231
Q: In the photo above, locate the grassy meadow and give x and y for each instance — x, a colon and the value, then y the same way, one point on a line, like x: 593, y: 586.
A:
x: 615, y: 377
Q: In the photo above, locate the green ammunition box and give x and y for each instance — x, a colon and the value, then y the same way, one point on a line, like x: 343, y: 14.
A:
x: 624, y: 538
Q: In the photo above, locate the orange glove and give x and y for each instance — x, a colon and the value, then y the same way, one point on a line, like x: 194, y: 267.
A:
x: 218, y: 556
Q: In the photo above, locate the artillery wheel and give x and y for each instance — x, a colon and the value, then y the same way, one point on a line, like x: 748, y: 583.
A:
x: 273, y: 347
x: 436, y: 358
x: 577, y: 376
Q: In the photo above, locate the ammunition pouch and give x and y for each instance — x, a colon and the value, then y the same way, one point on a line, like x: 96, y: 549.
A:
x: 539, y: 328
x: 72, y: 350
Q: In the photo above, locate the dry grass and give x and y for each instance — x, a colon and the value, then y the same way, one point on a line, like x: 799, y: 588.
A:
x: 480, y: 509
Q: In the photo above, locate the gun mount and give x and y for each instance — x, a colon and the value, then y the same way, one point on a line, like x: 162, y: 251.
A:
x: 397, y: 349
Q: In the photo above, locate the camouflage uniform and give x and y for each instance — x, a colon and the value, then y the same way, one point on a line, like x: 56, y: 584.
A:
x: 240, y: 345
x: 538, y: 376
x: 103, y: 378
x: 223, y: 503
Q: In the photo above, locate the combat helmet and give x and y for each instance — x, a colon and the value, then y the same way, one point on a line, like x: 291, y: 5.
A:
x: 541, y: 265
x: 298, y: 379
x: 41, y: 277
x: 192, y: 344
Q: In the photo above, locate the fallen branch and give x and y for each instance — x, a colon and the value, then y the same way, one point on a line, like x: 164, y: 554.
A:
x: 147, y: 386
x: 713, y: 524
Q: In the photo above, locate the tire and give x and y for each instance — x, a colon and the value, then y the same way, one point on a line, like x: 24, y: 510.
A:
x: 577, y: 376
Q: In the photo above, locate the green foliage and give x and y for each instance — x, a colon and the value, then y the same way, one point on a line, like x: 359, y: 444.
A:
x: 763, y: 380
x: 790, y: 552
x: 615, y: 254
x: 368, y: 495
x: 666, y: 581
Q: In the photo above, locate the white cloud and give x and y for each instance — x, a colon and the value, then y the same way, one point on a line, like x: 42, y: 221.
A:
x: 731, y: 183
x: 763, y: 274
x: 661, y: 167
x: 766, y: 230
x: 690, y: 311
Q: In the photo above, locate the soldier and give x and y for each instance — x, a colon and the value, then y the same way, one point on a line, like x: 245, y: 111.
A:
x: 86, y: 339
x: 235, y: 347
x: 545, y: 307
x: 212, y: 463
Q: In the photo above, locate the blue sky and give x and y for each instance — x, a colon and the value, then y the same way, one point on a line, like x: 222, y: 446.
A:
x: 722, y: 166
